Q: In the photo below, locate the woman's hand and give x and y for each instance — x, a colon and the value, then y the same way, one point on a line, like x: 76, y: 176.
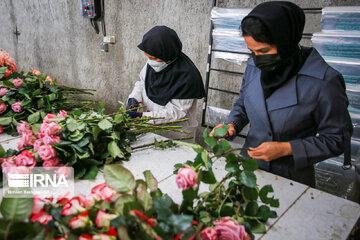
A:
x: 231, y: 131
x: 269, y: 151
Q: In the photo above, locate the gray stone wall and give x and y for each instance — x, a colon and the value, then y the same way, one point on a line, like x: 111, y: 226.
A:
x: 57, y: 40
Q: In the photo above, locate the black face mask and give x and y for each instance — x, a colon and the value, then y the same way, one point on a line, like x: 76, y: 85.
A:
x: 267, y: 62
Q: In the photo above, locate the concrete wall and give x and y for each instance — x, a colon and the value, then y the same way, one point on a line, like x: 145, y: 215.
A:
x: 57, y: 40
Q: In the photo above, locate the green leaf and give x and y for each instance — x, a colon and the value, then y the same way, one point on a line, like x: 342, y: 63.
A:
x: 119, y: 178
x: 76, y: 136
x: 71, y: 124
x: 85, y: 141
x: 264, y: 213
x: 143, y: 196
x: 205, y: 217
x: 252, y: 209
x: 232, y: 165
x: 180, y: 222
x: 35, y: 127
x: 16, y: 209
x: 77, y: 112
x: 105, y: 124
x: 120, y: 203
x: 96, y: 131
x: 221, y: 132
x: 2, y: 152
x: 151, y: 181
x: 4, y: 121
x: 250, y: 194
x: 118, y: 118
x: 205, y: 133
x: 264, y: 196
x: 114, y: 150
x: 34, y: 118
x: 91, y: 173
x: 208, y: 177
x: 204, y: 157
x: 210, y: 141
x: 257, y: 227
x: 222, y: 147
x: 248, y: 178
x: 249, y: 164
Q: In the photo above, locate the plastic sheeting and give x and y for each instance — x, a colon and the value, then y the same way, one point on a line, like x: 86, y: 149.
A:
x: 350, y: 69
x: 337, y: 45
x: 227, y: 34
x: 341, y: 18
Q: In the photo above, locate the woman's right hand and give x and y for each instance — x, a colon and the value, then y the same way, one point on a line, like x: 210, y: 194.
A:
x: 231, y: 131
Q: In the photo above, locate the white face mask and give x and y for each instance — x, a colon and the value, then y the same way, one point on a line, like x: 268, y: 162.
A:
x: 157, y: 66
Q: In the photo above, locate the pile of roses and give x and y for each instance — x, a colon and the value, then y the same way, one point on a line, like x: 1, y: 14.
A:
x: 41, y: 153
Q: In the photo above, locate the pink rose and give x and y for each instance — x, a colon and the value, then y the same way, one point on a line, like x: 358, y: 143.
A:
x: 209, y: 233
x: 17, y: 82
x: 85, y: 237
x: 46, y: 152
x: 49, y: 116
x: 25, y: 158
x: 2, y: 107
x: 3, y: 91
x: 186, y: 178
x: 103, y: 191
x: 63, y: 199
x: 37, y: 144
x: 81, y: 220
x: 63, y: 170
x: 50, y: 139
x: 74, y: 206
x: 228, y: 228
x: 42, y: 217
x: 28, y: 138
x: 36, y: 72
x: 20, y: 144
x: 1, y: 129
x: 22, y: 127
x: 49, y: 129
x: 62, y: 113
x: 103, y: 219
x: 51, y: 163
x: 16, y: 107
x: 87, y: 200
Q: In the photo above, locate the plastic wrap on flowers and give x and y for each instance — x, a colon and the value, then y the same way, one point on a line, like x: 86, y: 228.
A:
x: 341, y: 19
x: 227, y: 34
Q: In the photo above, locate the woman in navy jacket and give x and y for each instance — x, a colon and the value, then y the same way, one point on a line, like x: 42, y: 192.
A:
x: 294, y: 101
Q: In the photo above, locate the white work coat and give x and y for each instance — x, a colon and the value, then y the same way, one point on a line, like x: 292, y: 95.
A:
x: 175, y: 109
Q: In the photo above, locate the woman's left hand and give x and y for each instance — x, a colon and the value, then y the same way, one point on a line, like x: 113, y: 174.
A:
x: 269, y: 151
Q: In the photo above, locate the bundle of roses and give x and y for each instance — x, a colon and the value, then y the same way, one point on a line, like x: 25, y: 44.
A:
x: 122, y: 208
x: 30, y: 96
x: 232, y: 201
x: 7, y: 65
x: 82, y: 140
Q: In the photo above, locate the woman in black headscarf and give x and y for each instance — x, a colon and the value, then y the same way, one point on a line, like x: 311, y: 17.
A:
x: 294, y: 101
x: 170, y: 83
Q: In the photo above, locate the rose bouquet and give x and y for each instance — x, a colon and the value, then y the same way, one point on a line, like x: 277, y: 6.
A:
x: 29, y: 97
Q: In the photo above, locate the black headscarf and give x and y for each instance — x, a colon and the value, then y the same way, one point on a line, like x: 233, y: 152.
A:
x: 285, y: 22
x: 181, y: 79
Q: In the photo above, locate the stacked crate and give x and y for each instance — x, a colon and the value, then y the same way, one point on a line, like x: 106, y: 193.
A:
x: 339, y: 44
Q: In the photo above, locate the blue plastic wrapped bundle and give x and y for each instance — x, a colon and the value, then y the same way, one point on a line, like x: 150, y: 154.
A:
x: 228, y: 18
x: 227, y: 35
x: 337, y: 45
x: 350, y: 69
x: 341, y: 18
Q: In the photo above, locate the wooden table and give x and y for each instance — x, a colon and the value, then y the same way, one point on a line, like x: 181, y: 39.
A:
x: 304, y: 212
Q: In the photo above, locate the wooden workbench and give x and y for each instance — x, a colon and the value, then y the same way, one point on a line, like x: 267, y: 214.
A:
x: 304, y: 212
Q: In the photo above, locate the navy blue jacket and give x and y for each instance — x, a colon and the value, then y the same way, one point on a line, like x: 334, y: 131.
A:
x: 309, y: 111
